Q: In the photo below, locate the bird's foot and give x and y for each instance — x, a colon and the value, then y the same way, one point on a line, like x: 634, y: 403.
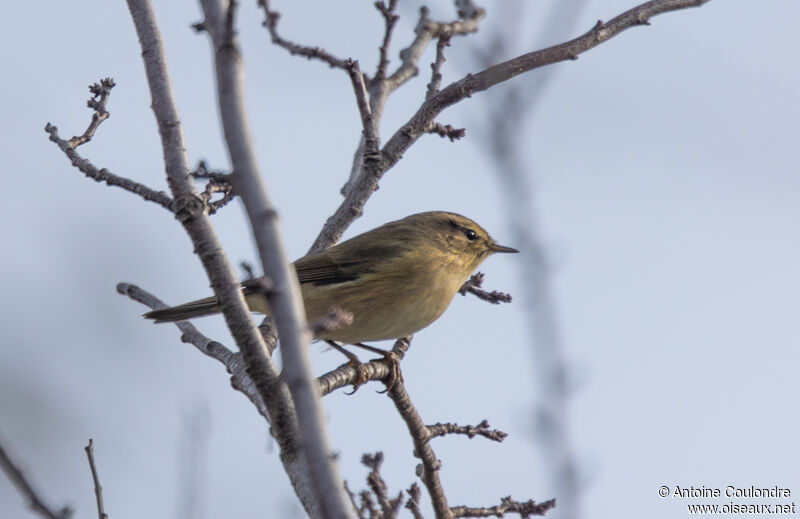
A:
x: 362, y: 375
x: 391, y: 360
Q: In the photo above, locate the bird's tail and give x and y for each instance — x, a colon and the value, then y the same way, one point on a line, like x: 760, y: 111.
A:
x: 188, y: 310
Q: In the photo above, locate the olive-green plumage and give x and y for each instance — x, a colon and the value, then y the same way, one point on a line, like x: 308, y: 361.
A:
x: 395, y: 279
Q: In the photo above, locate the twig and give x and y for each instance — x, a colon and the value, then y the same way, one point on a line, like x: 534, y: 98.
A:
x: 482, y: 429
x: 271, y: 23
x: 426, y: 30
x: 202, y: 171
x: 362, y: 188
x: 233, y: 362
x: 436, y: 66
x: 376, y: 482
x: 414, y: 495
x: 508, y: 505
x: 473, y: 286
x: 352, y: 497
x: 19, y: 480
x: 371, y: 151
x: 446, y: 130
x: 100, y: 93
x: 212, y: 187
x: 98, y: 489
x: 390, y: 19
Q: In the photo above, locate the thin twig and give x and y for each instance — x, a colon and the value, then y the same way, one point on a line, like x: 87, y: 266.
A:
x: 271, y: 23
x: 414, y: 495
x: 233, y: 362
x: 98, y: 489
x: 371, y: 151
x: 376, y: 482
x: 390, y: 20
x: 100, y: 94
x: 473, y: 286
x: 506, y: 506
x: 426, y: 30
x: 470, y: 431
x: 436, y: 66
x: 446, y: 130
x: 36, y: 503
x: 422, y: 448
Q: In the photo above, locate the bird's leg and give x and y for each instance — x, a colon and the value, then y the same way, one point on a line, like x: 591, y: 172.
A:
x: 361, y: 370
x: 392, y: 362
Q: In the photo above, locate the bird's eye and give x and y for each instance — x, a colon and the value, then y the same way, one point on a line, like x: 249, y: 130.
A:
x: 470, y: 234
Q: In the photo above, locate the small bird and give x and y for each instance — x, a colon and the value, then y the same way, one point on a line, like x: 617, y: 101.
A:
x: 395, y: 279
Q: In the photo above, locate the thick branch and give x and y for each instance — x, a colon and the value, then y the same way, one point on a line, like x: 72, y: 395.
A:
x: 284, y: 298
x: 191, y: 213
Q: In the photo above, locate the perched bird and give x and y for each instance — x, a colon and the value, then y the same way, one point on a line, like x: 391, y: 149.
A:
x: 395, y: 279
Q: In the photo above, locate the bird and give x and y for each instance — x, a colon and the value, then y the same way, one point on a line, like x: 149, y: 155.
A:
x: 393, y: 280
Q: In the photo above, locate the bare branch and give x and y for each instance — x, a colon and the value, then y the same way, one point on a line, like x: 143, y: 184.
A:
x: 420, y: 436
x: 507, y: 506
x: 426, y: 30
x: 473, y: 286
x: 371, y: 143
x: 347, y: 375
x: 389, y: 507
x: 390, y: 19
x: 213, y: 187
x: 446, y: 130
x: 202, y: 171
x: 414, y: 495
x: 98, y: 489
x: 482, y: 429
x: 100, y: 93
x: 436, y: 66
x: 35, y: 502
x: 271, y: 23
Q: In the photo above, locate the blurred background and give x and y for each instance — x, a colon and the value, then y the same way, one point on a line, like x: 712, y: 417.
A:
x: 652, y: 187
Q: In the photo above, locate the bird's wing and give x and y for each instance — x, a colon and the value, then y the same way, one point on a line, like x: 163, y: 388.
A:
x: 345, y: 262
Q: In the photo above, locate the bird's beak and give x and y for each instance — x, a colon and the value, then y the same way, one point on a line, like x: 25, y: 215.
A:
x: 500, y: 248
